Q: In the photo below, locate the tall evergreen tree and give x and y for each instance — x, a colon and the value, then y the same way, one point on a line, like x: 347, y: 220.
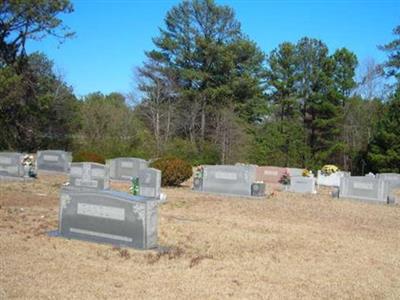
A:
x: 215, y: 66
x: 287, y: 144
x: 37, y: 108
x: 392, y: 65
x: 384, y: 149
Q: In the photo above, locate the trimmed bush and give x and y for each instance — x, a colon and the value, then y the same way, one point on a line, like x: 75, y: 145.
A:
x: 174, y: 171
x: 83, y: 156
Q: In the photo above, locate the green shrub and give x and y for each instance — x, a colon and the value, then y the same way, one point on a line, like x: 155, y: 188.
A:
x: 174, y: 170
x: 83, y: 156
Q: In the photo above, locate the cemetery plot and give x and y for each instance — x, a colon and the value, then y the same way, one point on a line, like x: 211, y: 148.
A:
x: 225, y: 179
x: 367, y: 188
x: 108, y: 217
x: 126, y: 168
x: 207, y: 243
x: 53, y: 160
x: 330, y: 180
x: 11, y: 165
x: 301, y: 184
x: 88, y: 211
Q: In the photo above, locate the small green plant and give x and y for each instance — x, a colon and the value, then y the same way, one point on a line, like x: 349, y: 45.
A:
x: 174, y: 171
x: 83, y: 156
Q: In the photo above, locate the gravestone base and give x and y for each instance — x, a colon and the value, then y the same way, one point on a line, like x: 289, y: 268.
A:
x: 15, y: 178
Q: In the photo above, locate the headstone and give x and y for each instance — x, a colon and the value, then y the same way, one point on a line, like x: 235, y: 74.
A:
x: 11, y: 164
x: 295, y: 172
x: 53, y: 160
x: 89, y: 175
x: 330, y: 180
x: 367, y: 188
x: 270, y: 174
x: 125, y: 168
x: 302, y: 184
x: 108, y: 217
x: 150, y: 182
x: 227, y: 179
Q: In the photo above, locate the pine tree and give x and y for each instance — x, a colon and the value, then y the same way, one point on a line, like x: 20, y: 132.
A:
x: 384, y: 150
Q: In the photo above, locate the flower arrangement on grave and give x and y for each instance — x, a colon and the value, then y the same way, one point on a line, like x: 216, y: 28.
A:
x: 199, y: 172
x: 135, y: 186
x: 329, y: 169
x: 285, y: 179
x: 27, y: 162
x: 307, y: 173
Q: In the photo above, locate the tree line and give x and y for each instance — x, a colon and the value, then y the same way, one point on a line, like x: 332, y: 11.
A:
x: 205, y: 93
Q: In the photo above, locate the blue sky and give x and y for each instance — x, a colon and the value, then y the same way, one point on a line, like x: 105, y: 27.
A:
x: 111, y: 36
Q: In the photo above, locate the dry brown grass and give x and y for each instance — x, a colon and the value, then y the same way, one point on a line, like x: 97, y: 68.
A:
x: 285, y: 246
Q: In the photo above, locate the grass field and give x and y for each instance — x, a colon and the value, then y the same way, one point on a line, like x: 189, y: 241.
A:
x: 285, y: 246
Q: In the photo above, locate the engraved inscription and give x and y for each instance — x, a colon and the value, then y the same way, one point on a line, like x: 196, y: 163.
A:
x: 225, y: 175
x: 270, y: 173
x: 363, y: 185
x: 106, y: 212
x: 89, y: 183
x: 127, y: 164
x: 52, y: 158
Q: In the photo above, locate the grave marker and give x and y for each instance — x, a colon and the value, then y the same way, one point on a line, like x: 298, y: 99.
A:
x: 89, y: 175
x: 227, y: 179
x: 53, y: 160
x: 150, y: 183
x: 108, y: 217
x: 332, y: 179
x: 301, y: 184
x: 367, y: 188
x: 125, y: 168
x: 11, y: 164
x: 270, y: 174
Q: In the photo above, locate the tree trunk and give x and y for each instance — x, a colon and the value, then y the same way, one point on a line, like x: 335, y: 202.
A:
x: 157, y: 132
x: 168, y: 125
x: 203, y: 122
